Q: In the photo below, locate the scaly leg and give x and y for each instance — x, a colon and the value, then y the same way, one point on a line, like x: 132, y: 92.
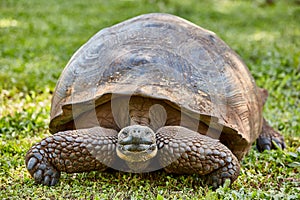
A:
x: 71, y: 151
x: 183, y: 151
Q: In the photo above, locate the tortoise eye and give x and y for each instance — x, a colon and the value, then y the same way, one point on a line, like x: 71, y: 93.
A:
x: 148, y: 133
x: 125, y: 133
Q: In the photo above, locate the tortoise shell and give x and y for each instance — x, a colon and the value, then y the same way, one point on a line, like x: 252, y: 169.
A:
x: 165, y: 57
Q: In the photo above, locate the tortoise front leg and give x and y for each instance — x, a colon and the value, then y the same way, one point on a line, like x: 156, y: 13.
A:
x: 184, y: 151
x: 71, y: 151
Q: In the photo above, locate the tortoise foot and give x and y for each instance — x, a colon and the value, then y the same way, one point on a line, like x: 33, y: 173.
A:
x: 230, y: 171
x: 269, y: 138
x: 71, y: 151
x: 40, y: 169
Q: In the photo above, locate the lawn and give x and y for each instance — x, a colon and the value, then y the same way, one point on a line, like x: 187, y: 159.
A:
x: 38, y: 37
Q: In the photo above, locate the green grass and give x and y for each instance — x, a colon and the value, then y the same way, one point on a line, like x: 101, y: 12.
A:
x: 38, y: 37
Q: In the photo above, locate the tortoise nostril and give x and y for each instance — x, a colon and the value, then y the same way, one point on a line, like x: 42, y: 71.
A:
x: 136, y: 132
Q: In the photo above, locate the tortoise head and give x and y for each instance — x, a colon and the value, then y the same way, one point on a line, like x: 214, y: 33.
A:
x: 136, y: 144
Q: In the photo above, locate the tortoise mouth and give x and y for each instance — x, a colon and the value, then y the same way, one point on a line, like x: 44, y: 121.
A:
x: 136, y: 152
x: 137, y: 147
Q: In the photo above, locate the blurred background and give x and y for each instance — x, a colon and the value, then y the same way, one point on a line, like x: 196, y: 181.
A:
x: 38, y: 37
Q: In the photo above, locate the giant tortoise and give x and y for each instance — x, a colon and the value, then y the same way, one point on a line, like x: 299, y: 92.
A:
x: 153, y: 92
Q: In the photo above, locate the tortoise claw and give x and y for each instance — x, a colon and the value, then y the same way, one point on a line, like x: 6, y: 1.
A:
x: 269, y: 139
x: 31, y: 163
x: 268, y: 143
x: 40, y: 169
x: 279, y: 143
x: 263, y: 143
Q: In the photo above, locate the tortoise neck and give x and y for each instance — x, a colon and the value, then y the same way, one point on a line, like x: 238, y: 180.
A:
x: 139, y: 108
x: 144, y: 121
x: 146, y: 112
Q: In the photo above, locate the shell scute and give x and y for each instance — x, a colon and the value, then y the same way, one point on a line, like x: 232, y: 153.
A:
x: 165, y: 57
